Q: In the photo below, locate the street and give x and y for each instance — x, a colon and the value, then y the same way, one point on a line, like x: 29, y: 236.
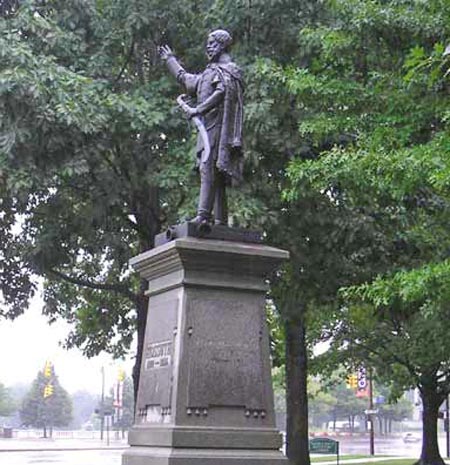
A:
x: 94, y: 452
x: 393, y: 446
x: 383, y: 446
x: 63, y: 457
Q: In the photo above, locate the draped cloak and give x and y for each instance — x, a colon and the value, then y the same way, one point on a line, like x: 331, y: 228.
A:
x: 225, y: 131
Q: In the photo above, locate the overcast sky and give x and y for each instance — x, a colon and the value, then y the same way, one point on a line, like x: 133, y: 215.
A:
x: 27, y: 342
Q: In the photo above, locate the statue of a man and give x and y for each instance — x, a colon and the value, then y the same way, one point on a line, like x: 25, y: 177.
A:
x: 219, y: 105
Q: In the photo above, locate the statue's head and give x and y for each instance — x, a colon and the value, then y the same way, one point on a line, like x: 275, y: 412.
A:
x: 219, y: 41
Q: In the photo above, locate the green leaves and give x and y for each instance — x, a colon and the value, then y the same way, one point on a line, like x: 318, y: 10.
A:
x: 373, y: 104
x: 417, y: 287
x: 431, y: 70
x: 82, y: 156
x: 388, y: 174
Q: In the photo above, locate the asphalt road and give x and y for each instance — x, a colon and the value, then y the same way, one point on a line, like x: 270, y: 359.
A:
x: 385, y: 446
x: 394, y: 446
x: 73, y: 452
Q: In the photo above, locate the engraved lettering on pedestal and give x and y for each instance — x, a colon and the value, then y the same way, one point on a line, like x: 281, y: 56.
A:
x: 225, y: 358
x: 158, y: 355
x: 157, y: 369
x: 155, y: 385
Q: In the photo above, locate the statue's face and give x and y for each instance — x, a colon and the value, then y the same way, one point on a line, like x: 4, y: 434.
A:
x: 213, y: 48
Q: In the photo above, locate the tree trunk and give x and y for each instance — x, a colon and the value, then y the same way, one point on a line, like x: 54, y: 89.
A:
x: 141, y: 322
x: 146, y: 208
x: 45, y: 431
x: 296, y: 391
x: 430, y: 449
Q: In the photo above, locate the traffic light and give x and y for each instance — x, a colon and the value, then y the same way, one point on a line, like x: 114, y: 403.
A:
x: 363, y: 385
x: 352, y: 381
x: 48, y: 369
x: 362, y: 379
x: 121, y: 375
x: 48, y: 390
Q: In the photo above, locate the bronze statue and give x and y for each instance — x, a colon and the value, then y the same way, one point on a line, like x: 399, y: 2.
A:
x: 218, y: 116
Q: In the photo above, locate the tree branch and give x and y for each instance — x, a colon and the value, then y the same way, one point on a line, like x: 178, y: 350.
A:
x: 127, y: 60
x: 116, y: 288
x: 402, y: 361
x: 111, y: 165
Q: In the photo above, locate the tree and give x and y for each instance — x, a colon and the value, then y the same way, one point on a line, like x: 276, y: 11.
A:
x: 84, y: 403
x: 393, y: 411
x: 403, y: 310
x: 321, y: 403
x: 47, y: 403
x: 371, y: 82
x: 7, y: 406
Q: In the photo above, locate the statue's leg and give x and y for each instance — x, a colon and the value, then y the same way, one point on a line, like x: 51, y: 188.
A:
x: 220, y: 201
x: 207, y: 188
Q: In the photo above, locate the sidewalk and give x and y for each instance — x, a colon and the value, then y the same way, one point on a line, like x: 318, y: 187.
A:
x: 47, y: 444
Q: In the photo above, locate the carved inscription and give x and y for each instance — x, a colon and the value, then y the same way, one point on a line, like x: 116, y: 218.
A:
x: 158, y: 355
x: 225, y: 357
x: 155, y: 384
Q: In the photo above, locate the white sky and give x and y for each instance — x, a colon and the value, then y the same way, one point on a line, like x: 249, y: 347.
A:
x: 28, y: 341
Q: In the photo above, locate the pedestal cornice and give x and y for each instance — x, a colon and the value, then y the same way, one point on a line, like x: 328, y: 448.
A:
x: 198, y: 262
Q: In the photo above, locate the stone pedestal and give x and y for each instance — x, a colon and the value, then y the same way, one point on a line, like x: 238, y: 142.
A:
x: 205, y: 393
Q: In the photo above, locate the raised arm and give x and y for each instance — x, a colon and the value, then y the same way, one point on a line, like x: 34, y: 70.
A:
x: 189, y: 81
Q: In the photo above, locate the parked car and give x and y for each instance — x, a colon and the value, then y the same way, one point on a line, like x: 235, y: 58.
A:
x: 411, y: 437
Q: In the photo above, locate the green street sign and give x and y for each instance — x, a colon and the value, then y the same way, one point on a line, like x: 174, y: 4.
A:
x: 324, y: 446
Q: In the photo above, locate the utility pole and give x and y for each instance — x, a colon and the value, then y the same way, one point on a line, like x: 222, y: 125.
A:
x: 447, y: 425
x: 102, y: 405
x: 372, y: 432
x: 108, y: 422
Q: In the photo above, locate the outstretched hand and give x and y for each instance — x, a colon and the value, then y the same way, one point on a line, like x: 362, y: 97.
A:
x: 165, y: 52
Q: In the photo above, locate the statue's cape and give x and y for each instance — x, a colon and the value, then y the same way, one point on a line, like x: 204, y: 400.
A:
x: 230, y: 151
